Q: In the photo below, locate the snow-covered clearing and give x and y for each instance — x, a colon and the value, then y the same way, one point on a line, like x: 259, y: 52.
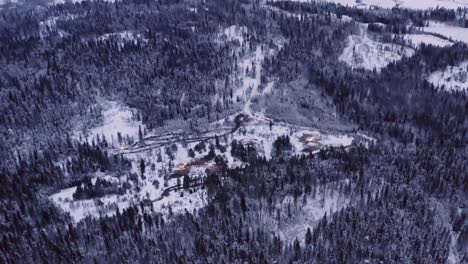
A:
x: 169, y: 160
x: 453, y: 78
x: 249, y: 87
x: 107, y: 206
x: 364, y: 52
x: 452, y: 32
x: 126, y: 35
x: 49, y: 25
x: 411, y: 4
x: 257, y: 131
x: 248, y: 79
x: 304, y: 213
x: 416, y: 40
x: 250, y: 66
x: 151, y: 187
x: 234, y: 33
x: 117, y: 119
x: 172, y: 158
x: 104, y: 206
x: 91, y: 207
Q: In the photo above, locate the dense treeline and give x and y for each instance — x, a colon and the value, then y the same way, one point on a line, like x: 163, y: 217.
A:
x: 39, y: 170
x: 403, y: 199
x: 397, y: 102
x: 56, y: 62
x: 392, y: 218
x: 396, y: 18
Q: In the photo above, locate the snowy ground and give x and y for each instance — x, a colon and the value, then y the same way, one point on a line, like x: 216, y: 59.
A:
x: 151, y: 188
x: 49, y: 25
x: 161, y: 166
x: 304, y: 213
x: 411, y: 4
x: 452, y: 32
x: 117, y: 118
x: 452, y: 78
x: 364, y: 52
x: 258, y: 132
x: 166, y: 155
x: 124, y: 37
x: 234, y: 33
x: 415, y: 40
x: 91, y: 207
x: 250, y: 65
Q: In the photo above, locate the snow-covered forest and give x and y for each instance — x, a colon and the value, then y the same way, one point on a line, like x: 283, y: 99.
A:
x: 233, y: 131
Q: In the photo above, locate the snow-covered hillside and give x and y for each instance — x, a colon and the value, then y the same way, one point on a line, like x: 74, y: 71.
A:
x: 452, y: 32
x: 172, y: 157
x: 117, y: 120
x: 416, y: 40
x: 452, y: 78
x: 304, y: 216
x: 364, y: 52
x: 167, y: 155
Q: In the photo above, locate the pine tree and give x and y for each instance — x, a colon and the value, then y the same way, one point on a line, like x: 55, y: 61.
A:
x: 191, y: 153
x: 142, y: 167
x: 141, y: 140
x: 308, y: 237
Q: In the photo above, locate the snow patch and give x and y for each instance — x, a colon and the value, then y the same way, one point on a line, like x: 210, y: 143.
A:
x: 364, y: 52
x: 49, y: 25
x: 305, y: 212
x: 453, y: 78
x: 452, y: 32
x: 79, y: 209
x: 117, y: 118
x: 416, y: 40
x: 123, y: 36
x: 234, y: 33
